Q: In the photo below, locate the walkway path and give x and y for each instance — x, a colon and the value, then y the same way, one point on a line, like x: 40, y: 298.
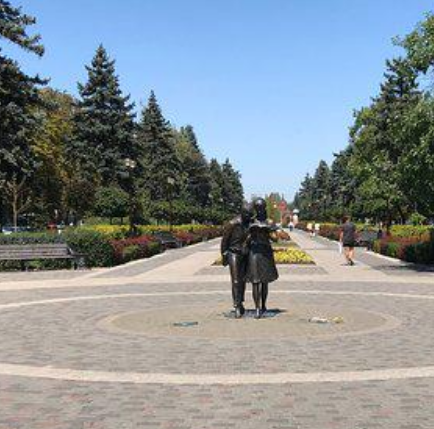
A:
x: 152, y: 345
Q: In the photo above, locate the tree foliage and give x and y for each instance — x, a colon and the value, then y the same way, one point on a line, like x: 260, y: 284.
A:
x: 62, y: 159
x: 103, y: 135
x: 387, y: 170
x: 19, y: 98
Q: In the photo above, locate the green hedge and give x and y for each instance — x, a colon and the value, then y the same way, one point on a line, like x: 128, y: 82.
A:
x: 105, y: 245
x: 408, y: 249
x: 97, y: 248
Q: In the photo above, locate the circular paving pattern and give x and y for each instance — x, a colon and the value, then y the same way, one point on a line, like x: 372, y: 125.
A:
x: 131, y: 338
x: 213, y: 323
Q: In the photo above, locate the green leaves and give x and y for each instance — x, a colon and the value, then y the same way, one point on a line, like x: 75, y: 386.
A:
x: 387, y: 171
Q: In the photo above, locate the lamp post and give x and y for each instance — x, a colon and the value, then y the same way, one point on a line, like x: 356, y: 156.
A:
x: 171, y: 184
x: 130, y: 165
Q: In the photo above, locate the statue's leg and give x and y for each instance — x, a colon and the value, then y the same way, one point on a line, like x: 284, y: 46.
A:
x: 256, y: 288
x: 242, y: 289
x: 234, y: 293
x: 237, y: 285
x: 264, y: 295
x: 234, y: 273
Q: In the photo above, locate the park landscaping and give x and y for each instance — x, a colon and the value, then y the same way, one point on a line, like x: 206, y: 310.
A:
x: 286, y: 252
x: 285, y: 256
x: 107, y: 245
x: 65, y: 159
x: 410, y: 243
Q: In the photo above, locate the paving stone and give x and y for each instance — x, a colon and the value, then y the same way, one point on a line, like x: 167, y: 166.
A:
x: 70, y: 335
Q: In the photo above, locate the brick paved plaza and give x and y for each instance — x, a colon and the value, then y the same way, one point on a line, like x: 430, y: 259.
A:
x: 100, y: 349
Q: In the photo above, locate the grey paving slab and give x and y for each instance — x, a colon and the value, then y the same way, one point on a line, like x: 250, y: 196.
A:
x: 22, y: 276
x: 71, y: 329
x: 53, y: 404
x: 140, y: 267
x: 387, y: 266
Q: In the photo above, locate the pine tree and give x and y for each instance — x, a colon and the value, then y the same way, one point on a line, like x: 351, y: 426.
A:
x: 217, y: 185
x: 196, y: 168
x: 18, y: 100
x: 160, y: 162
x: 104, y: 127
x: 342, y: 184
x: 233, y: 194
x: 321, y: 190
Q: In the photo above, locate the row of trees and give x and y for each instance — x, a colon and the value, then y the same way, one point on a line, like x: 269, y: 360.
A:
x: 63, y: 158
x: 387, y: 170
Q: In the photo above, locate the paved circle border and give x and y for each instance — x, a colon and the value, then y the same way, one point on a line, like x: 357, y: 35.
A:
x: 66, y: 374
x: 390, y: 323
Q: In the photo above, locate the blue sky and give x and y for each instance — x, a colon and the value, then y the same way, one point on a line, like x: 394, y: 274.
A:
x: 271, y: 84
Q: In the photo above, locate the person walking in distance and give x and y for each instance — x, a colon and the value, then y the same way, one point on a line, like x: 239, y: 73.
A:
x: 234, y: 253
x: 347, y: 239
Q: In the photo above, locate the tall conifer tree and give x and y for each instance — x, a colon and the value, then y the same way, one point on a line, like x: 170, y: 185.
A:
x: 196, y: 168
x: 217, y: 184
x: 160, y: 162
x: 233, y: 194
x: 104, y: 124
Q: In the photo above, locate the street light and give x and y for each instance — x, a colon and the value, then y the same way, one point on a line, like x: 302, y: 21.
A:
x: 171, y: 183
x: 130, y: 165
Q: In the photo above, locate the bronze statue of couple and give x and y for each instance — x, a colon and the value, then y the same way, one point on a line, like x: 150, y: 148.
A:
x: 246, y: 248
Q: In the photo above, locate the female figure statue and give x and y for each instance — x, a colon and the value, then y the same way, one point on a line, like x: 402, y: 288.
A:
x: 261, y: 268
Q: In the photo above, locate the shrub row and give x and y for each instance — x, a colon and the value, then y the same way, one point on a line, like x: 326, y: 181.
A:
x: 105, y: 245
x: 410, y: 249
x: 327, y: 230
x: 406, y: 242
x: 130, y: 249
x: 117, y: 232
x: 421, y: 232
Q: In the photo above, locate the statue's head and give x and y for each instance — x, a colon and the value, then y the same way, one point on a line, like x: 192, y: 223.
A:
x: 246, y: 214
x: 260, y: 207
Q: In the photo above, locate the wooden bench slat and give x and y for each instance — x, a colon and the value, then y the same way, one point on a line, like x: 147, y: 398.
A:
x: 35, y: 251
x: 34, y: 258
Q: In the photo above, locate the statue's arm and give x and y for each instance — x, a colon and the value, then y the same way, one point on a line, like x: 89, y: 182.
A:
x: 226, y: 239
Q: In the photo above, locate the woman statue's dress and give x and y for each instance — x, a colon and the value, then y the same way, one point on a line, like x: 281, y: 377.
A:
x: 261, y: 267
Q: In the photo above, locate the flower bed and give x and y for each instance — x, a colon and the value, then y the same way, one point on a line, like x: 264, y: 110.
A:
x: 106, y: 245
x: 291, y: 256
x: 286, y: 256
x: 130, y: 249
x: 406, y: 242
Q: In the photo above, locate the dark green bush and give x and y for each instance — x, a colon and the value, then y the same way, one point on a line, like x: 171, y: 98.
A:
x: 97, y: 248
x: 421, y: 253
x: 393, y: 250
x: 130, y: 253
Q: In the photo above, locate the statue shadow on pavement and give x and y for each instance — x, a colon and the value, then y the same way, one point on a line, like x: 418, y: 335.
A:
x: 250, y: 314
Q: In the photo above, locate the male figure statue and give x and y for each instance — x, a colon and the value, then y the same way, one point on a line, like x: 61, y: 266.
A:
x: 261, y: 268
x: 234, y: 254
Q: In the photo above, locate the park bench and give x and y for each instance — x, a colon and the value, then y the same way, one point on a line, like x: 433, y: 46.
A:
x: 33, y: 252
x: 366, y: 238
